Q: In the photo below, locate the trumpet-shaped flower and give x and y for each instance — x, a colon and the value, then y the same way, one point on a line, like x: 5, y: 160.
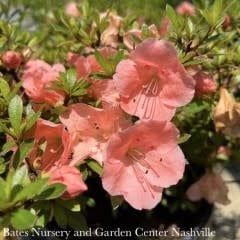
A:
x: 142, y: 160
x: 52, y: 145
x: 91, y: 129
x: 38, y: 79
x: 51, y: 155
x: 211, y: 187
x: 152, y: 83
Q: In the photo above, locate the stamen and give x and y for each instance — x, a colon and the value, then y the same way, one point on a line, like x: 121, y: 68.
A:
x: 152, y: 87
x: 138, y: 158
x: 147, y: 99
x: 135, y: 154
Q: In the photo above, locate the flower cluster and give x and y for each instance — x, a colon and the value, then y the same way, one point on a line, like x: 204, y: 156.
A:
x: 140, y: 158
x: 147, y: 110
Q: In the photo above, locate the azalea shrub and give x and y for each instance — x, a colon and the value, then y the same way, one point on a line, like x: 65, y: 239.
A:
x: 145, y: 105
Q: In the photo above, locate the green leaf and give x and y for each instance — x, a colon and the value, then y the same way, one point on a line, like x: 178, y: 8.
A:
x: 2, y: 165
x: 73, y: 205
x: 176, y: 20
x: 3, y: 186
x: 23, y: 151
x: 13, y: 93
x: 95, y: 166
x: 7, y: 147
x: 222, y: 157
x: 4, y: 88
x: 80, y: 88
x: 52, y: 192
x: 77, y: 221
x: 31, y: 190
x: 60, y: 216
x: 4, y: 222
x: 20, y: 177
x: 184, y: 138
x: 118, y: 57
x: 31, y: 119
x: 22, y: 219
x: 116, y: 201
x: 214, y: 14
x: 105, y: 64
x: 9, y: 183
x: 70, y: 79
x: 15, y: 111
x: 4, y: 128
x: 217, y: 11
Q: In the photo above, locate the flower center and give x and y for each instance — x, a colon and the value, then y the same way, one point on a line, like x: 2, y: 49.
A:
x: 152, y: 87
x: 135, y: 154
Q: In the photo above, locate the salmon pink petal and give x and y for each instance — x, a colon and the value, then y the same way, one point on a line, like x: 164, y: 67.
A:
x: 104, y: 90
x: 88, y: 148
x: 157, y: 53
x: 123, y: 181
x: 80, y: 152
x: 71, y: 177
x: 169, y: 170
x: 186, y: 8
x: 147, y: 107
x: 53, y: 145
x: 178, y: 90
x: 126, y: 78
x: 91, y: 129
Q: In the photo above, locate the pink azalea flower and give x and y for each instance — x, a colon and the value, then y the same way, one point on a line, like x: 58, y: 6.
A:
x: 142, y: 160
x: 211, y: 187
x: 186, y: 8
x: 38, y: 78
x: 204, y: 84
x: 91, y: 129
x: 84, y: 65
x: 12, y: 59
x: 164, y: 27
x: 87, y: 65
x: 52, y: 147
x: 72, y: 10
x: 71, y: 177
x: 105, y: 91
x: 152, y: 83
x: 51, y: 155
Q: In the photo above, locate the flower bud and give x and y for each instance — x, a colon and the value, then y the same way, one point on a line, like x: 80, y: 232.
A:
x: 12, y: 59
x: 227, y: 21
x: 204, y: 84
x: 71, y: 177
x: 186, y: 8
x: 72, y: 10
